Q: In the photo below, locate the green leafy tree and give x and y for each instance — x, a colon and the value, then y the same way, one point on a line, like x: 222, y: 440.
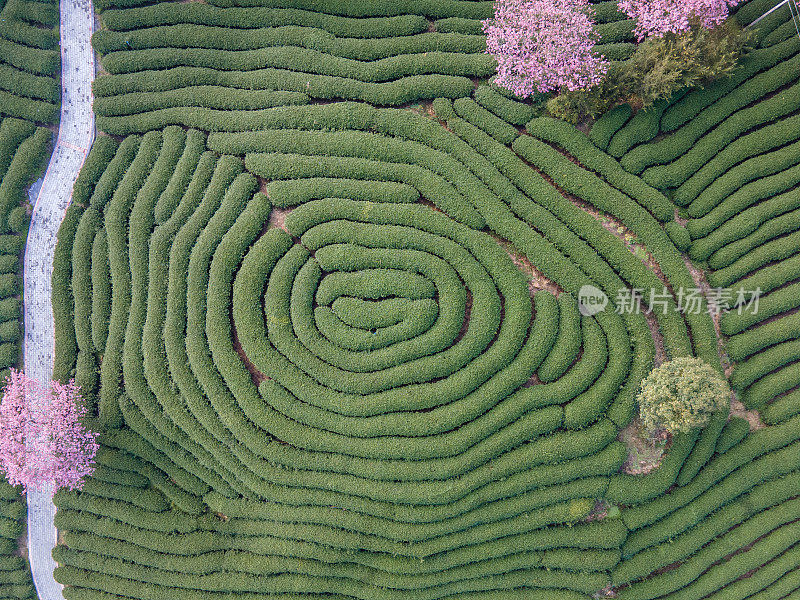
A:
x: 682, y: 394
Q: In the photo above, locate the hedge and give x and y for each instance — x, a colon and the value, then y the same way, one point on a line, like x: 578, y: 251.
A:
x: 388, y: 429
x: 291, y: 192
x: 435, y: 9
x: 15, y: 576
x: 299, y: 44
x: 775, y: 167
x: 559, y: 167
x: 179, y: 184
x: 747, y: 372
x: 604, y: 128
x: 642, y: 127
x: 9, y: 263
x: 66, y: 348
x: 771, y: 465
x: 746, y: 220
x: 745, y: 344
x: 116, y: 218
x: 212, y: 97
x: 771, y: 493
x: 31, y: 60
x: 679, y: 235
x: 787, y: 223
x: 100, y: 155
x: 703, y: 449
x: 167, y: 13
x: 24, y: 84
x: 775, y: 303
x: 575, y: 143
x: 781, y: 408
x: 101, y: 291
x: 567, y: 343
x: 720, y: 113
x: 693, y: 583
x: 18, y: 31
x: 770, y: 386
x: 704, y: 162
x: 757, y: 444
x: 27, y: 162
x: 751, y: 63
x: 469, y: 110
x: 511, y: 111
x: 12, y: 133
x: 630, y: 489
x: 768, y: 278
x: 735, y: 430
x: 557, y: 267
x: 81, y: 277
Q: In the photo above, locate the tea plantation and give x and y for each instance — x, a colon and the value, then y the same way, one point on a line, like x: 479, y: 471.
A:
x: 29, y: 105
x: 319, y: 285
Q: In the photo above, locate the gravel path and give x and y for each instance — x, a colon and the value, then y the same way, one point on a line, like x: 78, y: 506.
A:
x: 75, y: 136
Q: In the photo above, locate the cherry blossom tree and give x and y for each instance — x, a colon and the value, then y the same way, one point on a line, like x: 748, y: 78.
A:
x: 42, y: 440
x: 659, y: 17
x: 544, y: 45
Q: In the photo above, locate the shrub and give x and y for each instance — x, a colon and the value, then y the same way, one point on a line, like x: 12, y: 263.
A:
x: 734, y: 432
x: 607, y: 125
x: 679, y: 235
x: 657, y: 69
x: 18, y: 219
x: 681, y: 394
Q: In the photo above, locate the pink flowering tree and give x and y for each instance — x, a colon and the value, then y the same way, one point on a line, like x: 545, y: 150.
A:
x: 659, y: 17
x: 42, y: 439
x: 543, y: 46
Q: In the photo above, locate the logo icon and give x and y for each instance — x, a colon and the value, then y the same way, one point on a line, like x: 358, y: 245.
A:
x: 591, y: 300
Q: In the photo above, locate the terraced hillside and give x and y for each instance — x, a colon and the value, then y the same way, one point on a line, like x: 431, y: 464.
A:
x: 330, y: 330
x: 29, y: 103
x: 29, y: 106
x: 29, y: 60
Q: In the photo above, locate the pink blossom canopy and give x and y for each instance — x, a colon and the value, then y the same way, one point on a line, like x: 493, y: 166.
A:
x: 42, y: 439
x: 659, y: 17
x: 544, y: 45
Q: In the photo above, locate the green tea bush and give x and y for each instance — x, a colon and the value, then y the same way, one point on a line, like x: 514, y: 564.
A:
x: 472, y: 112
x: 101, y: 291
x: 568, y: 341
x: 9, y: 263
x: 751, y: 63
x: 683, y: 139
x: 300, y: 44
x: 66, y: 347
x: 18, y: 219
x: 781, y: 408
x: 642, y: 127
x: 681, y: 395
x: 167, y: 13
x: 694, y: 170
x: 781, y: 270
x: 734, y: 432
x: 607, y: 125
x: 24, y: 84
x: 732, y: 253
x: 679, y: 235
x: 777, y: 302
x: 511, y: 111
x: 769, y: 494
x: 752, y: 341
